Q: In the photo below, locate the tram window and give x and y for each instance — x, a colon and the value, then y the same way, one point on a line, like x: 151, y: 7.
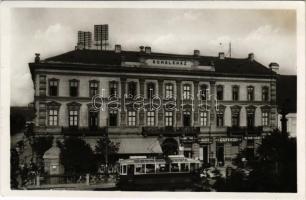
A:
x: 184, y: 167
x: 150, y: 168
x: 162, y: 168
x: 175, y: 167
x: 192, y: 167
x: 123, y: 169
x: 140, y: 169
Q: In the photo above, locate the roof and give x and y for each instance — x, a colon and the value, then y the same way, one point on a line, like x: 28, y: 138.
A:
x: 52, y: 153
x: 110, y: 58
x: 287, y: 92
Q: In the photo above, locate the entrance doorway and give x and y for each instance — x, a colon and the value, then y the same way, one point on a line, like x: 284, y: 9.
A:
x: 205, y: 155
x: 186, y: 119
x: 220, y: 154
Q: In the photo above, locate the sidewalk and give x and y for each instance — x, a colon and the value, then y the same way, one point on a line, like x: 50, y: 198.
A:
x: 74, y: 186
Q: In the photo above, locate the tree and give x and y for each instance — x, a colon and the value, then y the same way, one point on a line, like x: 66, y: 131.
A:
x: 14, y: 168
x: 106, y: 146
x: 77, y: 156
x: 277, y: 162
x: 273, y: 169
x: 17, y: 123
x: 39, y: 146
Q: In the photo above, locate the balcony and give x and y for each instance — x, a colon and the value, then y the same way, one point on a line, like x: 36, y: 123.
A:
x: 171, y: 131
x: 236, y: 131
x: 244, y: 131
x: 77, y: 131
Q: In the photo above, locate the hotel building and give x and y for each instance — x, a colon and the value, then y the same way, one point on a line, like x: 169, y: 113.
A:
x: 204, y: 107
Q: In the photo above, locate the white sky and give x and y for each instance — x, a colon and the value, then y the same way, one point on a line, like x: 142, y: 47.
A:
x: 269, y: 34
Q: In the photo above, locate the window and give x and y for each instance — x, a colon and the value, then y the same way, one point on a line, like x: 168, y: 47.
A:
x: 175, y: 167
x: 74, y: 88
x: 53, y: 87
x: 220, y: 119
x: 53, y: 117
x: 168, y: 118
x: 219, y: 92
x: 203, y: 92
x: 265, y: 119
x: 235, y: 93
x: 235, y: 119
x: 132, y: 89
x: 140, y: 168
x: 186, y: 91
x: 169, y: 91
x: 150, y: 168
x: 73, y: 118
x: 113, y: 116
x: 250, y: 93
x: 93, y: 88
x: 265, y: 93
x: 150, y: 90
x: 113, y: 88
x: 132, y: 118
x: 203, y: 119
x: 151, y: 118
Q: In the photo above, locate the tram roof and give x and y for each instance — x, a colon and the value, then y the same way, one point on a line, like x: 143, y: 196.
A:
x: 160, y: 161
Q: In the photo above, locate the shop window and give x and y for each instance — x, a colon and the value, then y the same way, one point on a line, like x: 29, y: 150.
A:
x: 150, y: 168
x: 175, y: 167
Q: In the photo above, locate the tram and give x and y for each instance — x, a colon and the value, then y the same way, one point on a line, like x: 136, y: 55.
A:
x: 173, y: 172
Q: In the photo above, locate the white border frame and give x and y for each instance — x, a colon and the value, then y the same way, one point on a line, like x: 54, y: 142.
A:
x: 5, y: 96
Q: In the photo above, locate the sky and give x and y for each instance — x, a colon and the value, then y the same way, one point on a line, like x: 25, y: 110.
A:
x: 269, y: 34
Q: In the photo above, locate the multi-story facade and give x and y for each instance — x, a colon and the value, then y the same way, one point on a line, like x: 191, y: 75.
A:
x: 204, y: 107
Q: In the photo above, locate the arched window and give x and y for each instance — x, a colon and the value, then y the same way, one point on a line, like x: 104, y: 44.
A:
x: 150, y: 90
x: 265, y: 93
x: 186, y: 91
x: 169, y: 91
x: 203, y: 92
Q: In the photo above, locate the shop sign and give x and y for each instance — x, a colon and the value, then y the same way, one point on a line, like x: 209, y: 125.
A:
x: 252, y: 137
x: 205, y: 140
x: 228, y: 139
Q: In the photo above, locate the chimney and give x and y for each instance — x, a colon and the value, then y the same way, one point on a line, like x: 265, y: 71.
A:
x: 148, y: 50
x: 251, y: 57
x: 274, y: 67
x: 117, y: 48
x: 37, y: 57
x: 221, y: 55
x: 141, y: 48
x: 196, y: 52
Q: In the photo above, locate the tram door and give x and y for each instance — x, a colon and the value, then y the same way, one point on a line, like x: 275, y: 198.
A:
x: 130, y: 170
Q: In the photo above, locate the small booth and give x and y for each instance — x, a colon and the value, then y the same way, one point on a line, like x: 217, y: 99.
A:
x: 52, y: 164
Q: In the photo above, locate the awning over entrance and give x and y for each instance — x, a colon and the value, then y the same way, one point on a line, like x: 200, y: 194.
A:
x: 138, y: 145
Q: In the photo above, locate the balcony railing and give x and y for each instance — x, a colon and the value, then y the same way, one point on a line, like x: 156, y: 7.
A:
x: 171, y: 131
x: 77, y: 131
x: 244, y: 131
